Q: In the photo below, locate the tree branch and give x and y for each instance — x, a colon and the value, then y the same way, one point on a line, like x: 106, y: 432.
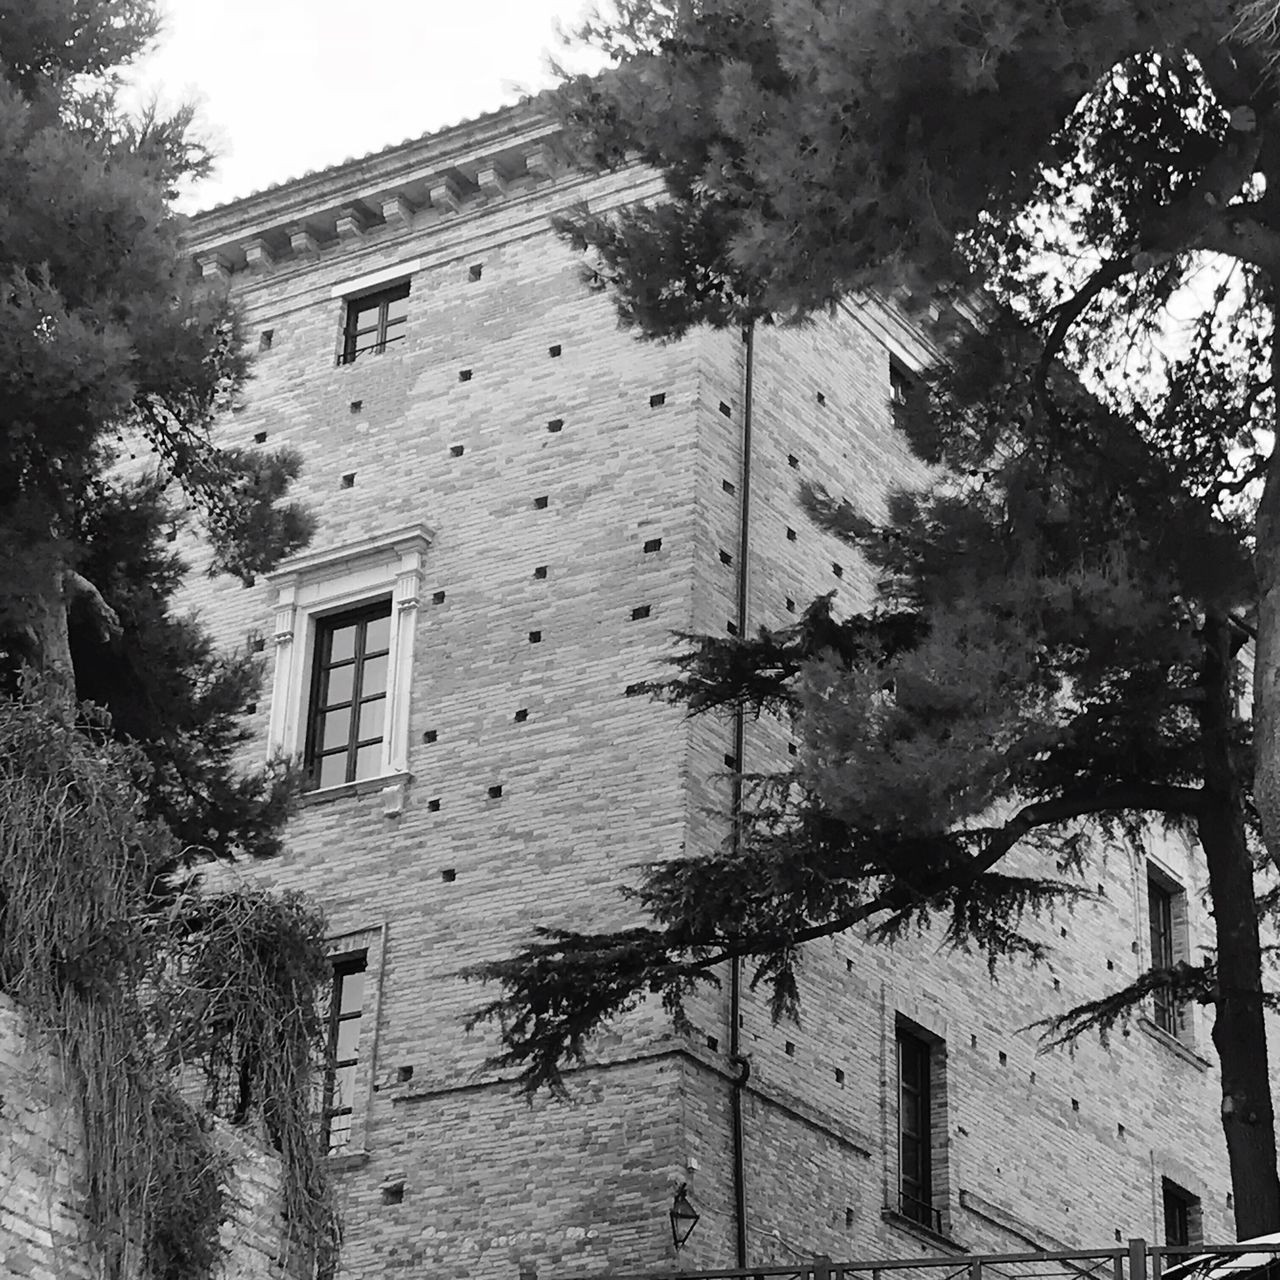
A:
x: 1134, y: 796
x: 82, y: 592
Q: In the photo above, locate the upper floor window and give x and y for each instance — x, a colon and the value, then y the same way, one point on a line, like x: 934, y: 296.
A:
x: 347, y: 715
x: 346, y: 1005
x: 1167, y: 921
x: 375, y: 321
x: 345, y: 624
x: 901, y: 385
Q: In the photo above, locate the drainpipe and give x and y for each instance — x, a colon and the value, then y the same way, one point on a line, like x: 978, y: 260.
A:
x: 736, y: 1056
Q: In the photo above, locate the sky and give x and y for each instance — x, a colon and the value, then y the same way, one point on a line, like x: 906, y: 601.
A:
x: 286, y: 86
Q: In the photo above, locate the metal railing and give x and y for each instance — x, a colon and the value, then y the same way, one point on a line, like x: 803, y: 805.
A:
x: 1137, y: 1260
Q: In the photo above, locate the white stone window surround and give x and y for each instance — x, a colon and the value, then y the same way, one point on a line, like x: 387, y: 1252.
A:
x: 316, y: 584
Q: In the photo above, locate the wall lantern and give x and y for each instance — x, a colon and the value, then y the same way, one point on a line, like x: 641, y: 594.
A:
x: 684, y: 1217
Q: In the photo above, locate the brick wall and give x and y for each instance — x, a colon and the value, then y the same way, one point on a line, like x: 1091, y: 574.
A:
x: 450, y: 1171
x: 43, y: 1233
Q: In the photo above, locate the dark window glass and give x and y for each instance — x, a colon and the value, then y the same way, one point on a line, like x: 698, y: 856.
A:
x: 915, y: 1170
x: 347, y: 715
x: 901, y: 384
x: 1181, y: 1215
x: 1160, y: 910
x: 345, y: 1008
x: 375, y: 321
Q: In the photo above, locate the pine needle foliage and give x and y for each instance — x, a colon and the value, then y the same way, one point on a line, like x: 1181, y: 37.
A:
x: 1035, y: 678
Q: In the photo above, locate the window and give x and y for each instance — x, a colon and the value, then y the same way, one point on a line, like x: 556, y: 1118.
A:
x: 347, y: 715
x: 346, y: 1004
x: 1181, y: 1215
x: 346, y: 623
x: 917, y: 1101
x: 375, y: 321
x: 901, y: 386
x: 1167, y: 920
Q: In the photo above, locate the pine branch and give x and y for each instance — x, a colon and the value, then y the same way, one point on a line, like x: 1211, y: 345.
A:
x: 1182, y: 982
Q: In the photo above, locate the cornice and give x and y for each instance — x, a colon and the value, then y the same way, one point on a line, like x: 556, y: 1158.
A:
x: 427, y: 180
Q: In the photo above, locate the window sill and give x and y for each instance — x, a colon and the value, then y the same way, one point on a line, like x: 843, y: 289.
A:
x: 365, y: 787
x: 1174, y: 1045
x: 919, y: 1230
x: 348, y: 1160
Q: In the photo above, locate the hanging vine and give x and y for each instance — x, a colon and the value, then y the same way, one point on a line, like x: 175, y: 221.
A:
x: 128, y: 989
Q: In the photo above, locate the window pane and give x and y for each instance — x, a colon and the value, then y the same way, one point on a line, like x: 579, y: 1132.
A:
x: 337, y: 729
x: 348, y: 1038
x: 332, y: 770
x: 344, y: 1087
x: 377, y: 635
x: 397, y: 308
x: 342, y: 643
x: 339, y: 684
x: 910, y: 1112
x: 362, y: 314
x: 373, y: 679
x: 371, y: 716
x: 369, y: 761
x: 351, y: 995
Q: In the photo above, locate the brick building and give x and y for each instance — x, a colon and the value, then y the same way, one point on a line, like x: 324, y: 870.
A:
x: 518, y: 504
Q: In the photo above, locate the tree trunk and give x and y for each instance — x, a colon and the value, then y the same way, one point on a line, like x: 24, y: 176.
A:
x: 1239, y: 1029
x: 1266, y: 657
x: 45, y: 627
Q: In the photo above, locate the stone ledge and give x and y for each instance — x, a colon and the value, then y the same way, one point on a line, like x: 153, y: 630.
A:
x: 1174, y: 1045
x: 365, y: 787
x: 920, y: 1231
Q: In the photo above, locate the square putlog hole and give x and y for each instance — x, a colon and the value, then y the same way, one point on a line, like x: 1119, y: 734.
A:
x: 659, y: 398
x: 475, y: 271
x: 640, y: 611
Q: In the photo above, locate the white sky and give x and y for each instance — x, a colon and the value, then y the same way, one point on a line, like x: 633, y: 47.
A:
x: 286, y: 86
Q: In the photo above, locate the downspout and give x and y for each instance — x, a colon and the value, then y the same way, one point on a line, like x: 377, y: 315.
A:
x: 736, y: 1056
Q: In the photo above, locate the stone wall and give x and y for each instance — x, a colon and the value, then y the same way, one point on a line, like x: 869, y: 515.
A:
x: 43, y: 1232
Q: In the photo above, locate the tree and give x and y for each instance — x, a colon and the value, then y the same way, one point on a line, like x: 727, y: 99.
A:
x: 1051, y: 661
x: 120, y: 721
x: 107, y: 345
x: 1085, y: 163
x: 812, y: 150
x: 115, y: 363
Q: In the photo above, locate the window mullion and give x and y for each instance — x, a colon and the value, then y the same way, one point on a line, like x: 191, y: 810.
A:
x: 357, y: 687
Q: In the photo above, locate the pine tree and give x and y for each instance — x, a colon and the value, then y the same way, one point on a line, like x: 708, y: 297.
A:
x: 1085, y: 160
x: 1052, y: 661
x: 115, y: 362
x: 107, y: 345
x: 120, y: 720
x: 1081, y: 163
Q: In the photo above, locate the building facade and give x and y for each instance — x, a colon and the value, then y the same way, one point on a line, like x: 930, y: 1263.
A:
x: 518, y: 503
